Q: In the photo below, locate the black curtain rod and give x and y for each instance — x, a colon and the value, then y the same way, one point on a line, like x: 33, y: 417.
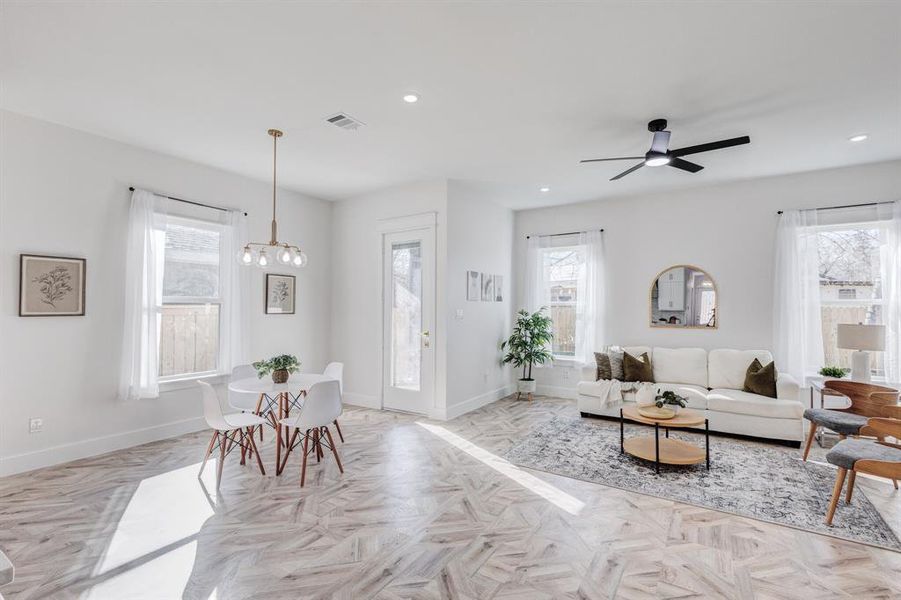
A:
x: 779, y: 212
x: 559, y: 234
x: 131, y: 189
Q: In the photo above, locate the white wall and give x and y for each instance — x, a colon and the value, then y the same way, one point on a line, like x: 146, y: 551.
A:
x: 65, y: 192
x: 728, y: 230
x: 480, y: 238
x: 356, y: 327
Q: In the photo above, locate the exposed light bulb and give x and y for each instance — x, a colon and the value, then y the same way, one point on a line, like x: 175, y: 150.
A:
x: 284, y: 256
x: 263, y: 259
x: 303, y: 259
x: 244, y: 256
x: 297, y: 260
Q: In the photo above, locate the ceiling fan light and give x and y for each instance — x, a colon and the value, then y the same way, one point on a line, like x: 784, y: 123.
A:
x: 657, y: 161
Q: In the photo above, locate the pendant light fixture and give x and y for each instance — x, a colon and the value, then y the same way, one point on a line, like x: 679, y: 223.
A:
x: 265, y: 254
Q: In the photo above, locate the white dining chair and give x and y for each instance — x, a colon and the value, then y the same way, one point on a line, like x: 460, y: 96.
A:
x: 320, y: 408
x: 335, y: 370
x: 251, y: 403
x: 228, y: 430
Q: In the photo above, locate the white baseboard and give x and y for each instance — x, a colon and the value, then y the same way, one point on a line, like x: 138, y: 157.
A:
x: 362, y: 400
x: 476, y: 402
x: 556, y: 391
x: 19, y: 463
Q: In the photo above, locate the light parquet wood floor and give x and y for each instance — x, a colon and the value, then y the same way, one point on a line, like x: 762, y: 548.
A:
x: 424, y: 510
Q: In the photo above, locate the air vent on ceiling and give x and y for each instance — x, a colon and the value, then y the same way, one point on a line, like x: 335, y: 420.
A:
x: 345, y: 121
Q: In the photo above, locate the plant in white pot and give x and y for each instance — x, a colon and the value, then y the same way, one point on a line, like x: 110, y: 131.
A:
x: 528, y: 345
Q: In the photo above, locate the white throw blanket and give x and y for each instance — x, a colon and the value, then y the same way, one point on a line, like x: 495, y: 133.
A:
x: 610, y: 391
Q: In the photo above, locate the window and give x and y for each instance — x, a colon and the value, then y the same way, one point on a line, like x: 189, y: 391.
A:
x: 850, y: 285
x: 189, y: 342
x: 564, y: 274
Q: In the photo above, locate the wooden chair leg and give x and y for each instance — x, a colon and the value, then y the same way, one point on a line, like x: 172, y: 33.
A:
x: 256, y: 452
x: 278, y: 450
x: 811, y: 434
x: 836, y: 494
x: 209, y: 450
x: 895, y: 481
x: 331, y: 443
x: 306, y: 450
x: 851, y: 479
x: 258, y: 412
x: 222, y: 447
x: 288, y: 450
x: 243, y: 445
x: 316, y: 443
x: 338, y: 427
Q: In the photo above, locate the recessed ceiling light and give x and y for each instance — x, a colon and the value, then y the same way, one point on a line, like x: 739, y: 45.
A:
x: 410, y: 98
x: 858, y: 138
x: 544, y: 189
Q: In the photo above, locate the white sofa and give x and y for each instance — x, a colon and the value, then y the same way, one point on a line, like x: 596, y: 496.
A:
x: 712, y: 382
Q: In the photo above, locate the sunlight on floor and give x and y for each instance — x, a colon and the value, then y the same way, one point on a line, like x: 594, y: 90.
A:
x: 559, y: 498
x: 153, y: 549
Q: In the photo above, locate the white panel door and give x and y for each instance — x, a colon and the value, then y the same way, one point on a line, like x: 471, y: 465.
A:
x: 408, y: 356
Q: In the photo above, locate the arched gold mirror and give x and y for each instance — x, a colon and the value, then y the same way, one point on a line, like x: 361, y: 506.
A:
x: 683, y: 296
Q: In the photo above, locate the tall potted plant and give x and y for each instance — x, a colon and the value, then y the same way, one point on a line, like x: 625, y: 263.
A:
x: 528, y: 345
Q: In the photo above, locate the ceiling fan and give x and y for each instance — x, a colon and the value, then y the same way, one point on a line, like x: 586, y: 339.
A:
x: 660, y: 154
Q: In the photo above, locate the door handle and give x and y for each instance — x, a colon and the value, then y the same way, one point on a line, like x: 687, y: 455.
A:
x: 425, y: 339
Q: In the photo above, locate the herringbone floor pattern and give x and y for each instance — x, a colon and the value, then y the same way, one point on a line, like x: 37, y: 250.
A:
x: 424, y: 510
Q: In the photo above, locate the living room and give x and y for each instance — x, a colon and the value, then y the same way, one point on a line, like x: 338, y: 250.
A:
x: 287, y: 247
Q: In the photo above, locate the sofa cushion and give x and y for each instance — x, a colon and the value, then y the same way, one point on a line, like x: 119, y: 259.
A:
x: 760, y: 379
x: 616, y: 363
x: 682, y: 365
x: 727, y: 368
x: 744, y: 403
x: 637, y: 368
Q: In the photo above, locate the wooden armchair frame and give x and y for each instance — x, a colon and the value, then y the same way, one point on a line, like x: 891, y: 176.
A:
x: 880, y: 428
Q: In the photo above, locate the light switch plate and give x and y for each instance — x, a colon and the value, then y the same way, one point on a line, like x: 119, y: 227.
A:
x: 458, y: 314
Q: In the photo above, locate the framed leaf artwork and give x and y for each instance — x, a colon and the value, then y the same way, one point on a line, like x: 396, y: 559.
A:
x: 51, y: 286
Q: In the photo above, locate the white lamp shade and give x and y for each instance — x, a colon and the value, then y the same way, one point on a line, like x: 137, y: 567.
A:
x: 861, y: 337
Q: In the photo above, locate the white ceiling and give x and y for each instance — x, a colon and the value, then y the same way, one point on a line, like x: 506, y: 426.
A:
x: 513, y: 94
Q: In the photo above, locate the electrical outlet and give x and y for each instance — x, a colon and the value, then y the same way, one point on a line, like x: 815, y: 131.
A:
x: 458, y: 315
x: 35, y: 425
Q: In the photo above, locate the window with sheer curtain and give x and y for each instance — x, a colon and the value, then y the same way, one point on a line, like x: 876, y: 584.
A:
x: 564, y: 274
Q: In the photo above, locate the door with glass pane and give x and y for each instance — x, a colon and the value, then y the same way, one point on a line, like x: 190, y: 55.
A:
x: 409, y: 315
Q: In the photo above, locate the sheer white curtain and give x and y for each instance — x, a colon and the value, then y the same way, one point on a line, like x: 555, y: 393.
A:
x: 139, y: 371
x: 235, y: 282
x: 590, y: 289
x: 890, y: 258
x: 797, y: 324
x: 590, y: 301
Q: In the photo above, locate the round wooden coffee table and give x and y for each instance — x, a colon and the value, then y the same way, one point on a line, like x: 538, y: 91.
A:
x: 667, y: 451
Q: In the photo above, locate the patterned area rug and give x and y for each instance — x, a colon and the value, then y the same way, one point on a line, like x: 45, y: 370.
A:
x: 750, y: 479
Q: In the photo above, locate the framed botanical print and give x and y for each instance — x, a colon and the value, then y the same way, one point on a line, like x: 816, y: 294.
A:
x: 51, y: 286
x: 279, y: 294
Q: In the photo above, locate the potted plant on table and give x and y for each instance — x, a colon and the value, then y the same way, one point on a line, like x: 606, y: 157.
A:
x: 528, y: 345
x: 280, y: 366
x: 672, y: 399
x: 833, y: 372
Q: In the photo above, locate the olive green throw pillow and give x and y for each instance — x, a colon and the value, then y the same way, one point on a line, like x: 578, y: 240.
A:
x: 761, y: 379
x: 637, y: 369
x: 603, y: 366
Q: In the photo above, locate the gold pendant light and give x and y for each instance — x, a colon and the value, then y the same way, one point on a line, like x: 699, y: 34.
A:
x: 264, y: 254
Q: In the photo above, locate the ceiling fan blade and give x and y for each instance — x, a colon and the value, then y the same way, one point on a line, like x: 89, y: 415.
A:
x: 608, y: 159
x: 711, y: 146
x: 685, y: 165
x: 627, y: 171
x: 660, y: 142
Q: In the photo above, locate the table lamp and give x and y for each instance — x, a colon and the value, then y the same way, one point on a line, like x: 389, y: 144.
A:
x: 862, y: 339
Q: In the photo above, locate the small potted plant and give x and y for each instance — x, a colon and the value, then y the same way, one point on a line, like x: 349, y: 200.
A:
x: 833, y: 372
x: 672, y: 399
x: 528, y: 345
x: 280, y: 366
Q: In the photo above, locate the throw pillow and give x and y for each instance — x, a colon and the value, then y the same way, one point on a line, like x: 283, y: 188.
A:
x: 603, y: 364
x: 637, y: 368
x: 616, y: 363
x: 761, y: 379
